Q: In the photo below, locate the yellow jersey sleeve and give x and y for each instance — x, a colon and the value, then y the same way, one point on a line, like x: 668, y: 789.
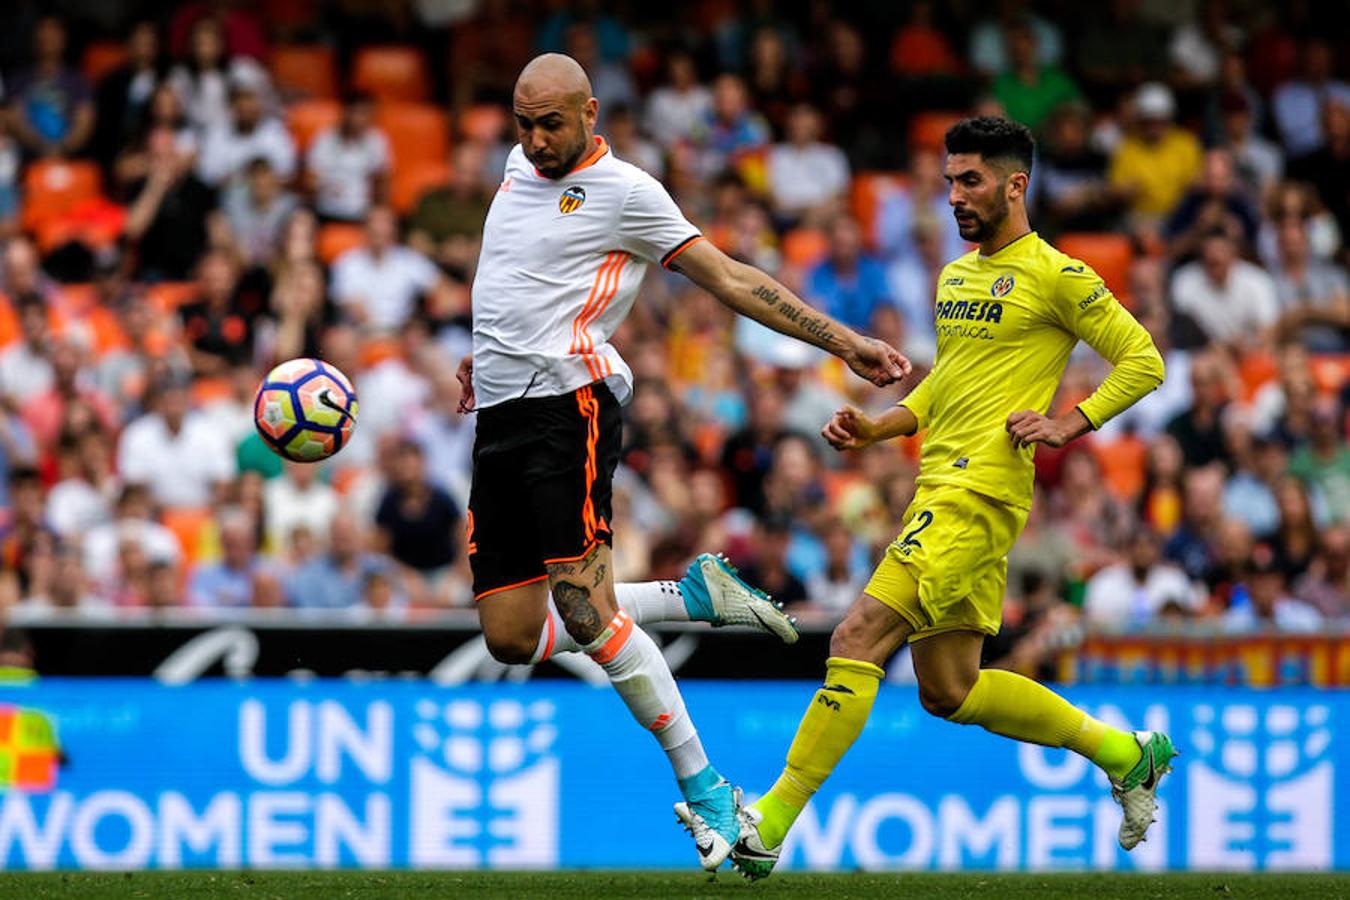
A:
x: 1087, y: 309
x: 920, y: 400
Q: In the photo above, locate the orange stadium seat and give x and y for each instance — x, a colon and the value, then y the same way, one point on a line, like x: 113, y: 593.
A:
x: 336, y: 238
x: 410, y: 182
x: 1110, y: 256
x: 1330, y: 370
x: 306, y: 118
x: 189, y: 525
x: 482, y: 122
x: 167, y: 296
x: 417, y: 132
x: 1256, y: 369
x: 866, y: 194
x: 102, y: 57
x: 927, y: 130
x: 305, y: 70
x: 392, y: 72
x: 54, y: 187
x: 804, y: 247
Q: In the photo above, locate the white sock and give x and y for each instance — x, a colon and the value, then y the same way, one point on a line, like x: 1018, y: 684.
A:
x: 647, y: 601
x: 640, y: 674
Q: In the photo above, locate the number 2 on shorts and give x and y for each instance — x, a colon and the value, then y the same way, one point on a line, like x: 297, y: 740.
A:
x: 924, y: 519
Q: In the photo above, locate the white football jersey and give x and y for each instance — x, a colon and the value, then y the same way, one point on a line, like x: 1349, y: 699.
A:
x: 561, y: 263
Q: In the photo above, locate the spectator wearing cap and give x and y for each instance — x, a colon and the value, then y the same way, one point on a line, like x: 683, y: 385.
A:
x: 1218, y: 201
x: 1314, y: 294
x: 1259, y: 162
x: 1298, y: 103
x: 1261, y: 602
x: 230, y: 582
x: 347, y: 166
x: 257, y: 208
x: 50, y: 105
x: 1132, y: 593
x: 378, y: 285
x: 204, y: 81
x: 1029, y: 89
x: 1233, y: 301
x: 175, y: 451
x: 1323, y: 462
x: 849, y: 284
x: 1157, y: 160
x: 247, y: 134
x: 806, y: 175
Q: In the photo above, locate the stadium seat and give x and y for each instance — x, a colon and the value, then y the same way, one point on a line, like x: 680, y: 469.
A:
x: 1256, y: 369
x: 102, y: 57
x: 306, y: 118
x: 927, y: 130
x: 189, y: 525
x: 1110, y: 256
x: 1330, y: 371
x: 1123, y: 462
x: 167, y: 296
x: 336, y: 238
x: 866, y: 194
x: 804, y: 247
x: 417, y: 132
x: 55, y: 187
x: 305, y: 70
x: 392, y: 72
x: 210, y: 390
x: 482, y: 122
x: 410, y: 182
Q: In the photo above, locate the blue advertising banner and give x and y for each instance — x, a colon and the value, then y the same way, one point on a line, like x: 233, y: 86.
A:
x: 129, y: 774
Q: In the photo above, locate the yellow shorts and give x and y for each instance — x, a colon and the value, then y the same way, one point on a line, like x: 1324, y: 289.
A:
x: 954, y: 543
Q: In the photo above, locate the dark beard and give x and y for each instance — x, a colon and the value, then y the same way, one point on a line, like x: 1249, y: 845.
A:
x: 983, y: 228
x: 567, y: 165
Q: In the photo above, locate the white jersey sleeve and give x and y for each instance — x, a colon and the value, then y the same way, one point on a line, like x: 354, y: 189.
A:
x: 651, y: 226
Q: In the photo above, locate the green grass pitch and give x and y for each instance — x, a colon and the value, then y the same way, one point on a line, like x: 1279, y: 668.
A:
x: 662, y: 885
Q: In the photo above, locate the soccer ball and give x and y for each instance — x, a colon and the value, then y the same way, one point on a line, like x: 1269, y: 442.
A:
x: 305, y: 410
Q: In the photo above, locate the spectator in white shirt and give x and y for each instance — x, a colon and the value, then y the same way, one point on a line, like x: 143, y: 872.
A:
x: 1131, y: 594
x: 298, y: 499
x: 175, y: 451
x: 247, y: 135
x: 257, y: 207
x: 82, y: 499
x: 347, y: 166
x: 1231, y: 300
x: 25, y: 366
x: 677, y: 109
x: 1261, y: 602
x: 378, y: 285
x: 806, y: 175
x: 203, y: 81
x: 133, y: 523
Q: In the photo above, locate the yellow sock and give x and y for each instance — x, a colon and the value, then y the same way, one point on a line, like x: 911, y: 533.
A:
x: 1008, y: 704
x: 832, y: 723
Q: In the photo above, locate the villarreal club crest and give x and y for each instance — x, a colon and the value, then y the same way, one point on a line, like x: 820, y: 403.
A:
x: 571, y: 199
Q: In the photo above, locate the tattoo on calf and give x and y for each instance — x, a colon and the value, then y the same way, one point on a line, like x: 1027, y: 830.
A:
x: 580, y: 616
x: 599, y: 576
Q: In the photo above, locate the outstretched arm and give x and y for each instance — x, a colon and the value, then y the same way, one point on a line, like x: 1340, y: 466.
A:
x: 752, y: 293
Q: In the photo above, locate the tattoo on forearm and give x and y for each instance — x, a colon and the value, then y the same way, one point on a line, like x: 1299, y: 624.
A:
x: 817, y: 327
x: 580, y: 616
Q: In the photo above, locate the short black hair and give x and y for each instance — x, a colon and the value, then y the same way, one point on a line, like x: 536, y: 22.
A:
x: 994, y: 139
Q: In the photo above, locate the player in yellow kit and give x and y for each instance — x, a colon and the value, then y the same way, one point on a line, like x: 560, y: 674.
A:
x: 1007, y: 317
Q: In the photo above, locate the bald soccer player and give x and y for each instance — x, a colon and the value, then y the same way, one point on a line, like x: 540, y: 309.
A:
x: 565, y: 246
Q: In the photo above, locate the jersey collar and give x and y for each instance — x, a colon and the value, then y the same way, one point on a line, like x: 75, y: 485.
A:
x: 600, y: 149
x: 1016, y: 240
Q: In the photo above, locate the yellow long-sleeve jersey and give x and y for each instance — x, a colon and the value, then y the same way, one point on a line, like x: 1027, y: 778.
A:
x: 1006, y: 325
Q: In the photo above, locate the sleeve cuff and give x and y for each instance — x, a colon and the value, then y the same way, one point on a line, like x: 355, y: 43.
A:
x: 1092, y: 423
x: 679, y: 248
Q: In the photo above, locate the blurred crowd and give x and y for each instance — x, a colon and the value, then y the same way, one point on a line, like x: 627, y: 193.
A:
x: 192, y: 193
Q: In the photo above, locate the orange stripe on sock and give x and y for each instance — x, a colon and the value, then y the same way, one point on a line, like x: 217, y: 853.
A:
x: 620, y: 628
x: 661, y: 722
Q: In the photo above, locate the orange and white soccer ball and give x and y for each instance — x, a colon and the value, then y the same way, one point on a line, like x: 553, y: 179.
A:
x: 305, y: 410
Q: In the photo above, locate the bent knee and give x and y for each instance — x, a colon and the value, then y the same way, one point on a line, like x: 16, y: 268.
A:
x: 851, y: 639
x: 943, y: 700
x: 514, y: 648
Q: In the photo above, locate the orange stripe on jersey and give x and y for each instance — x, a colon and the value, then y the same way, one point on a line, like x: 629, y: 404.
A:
x: 601, y: 278
x: 612, y: 288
